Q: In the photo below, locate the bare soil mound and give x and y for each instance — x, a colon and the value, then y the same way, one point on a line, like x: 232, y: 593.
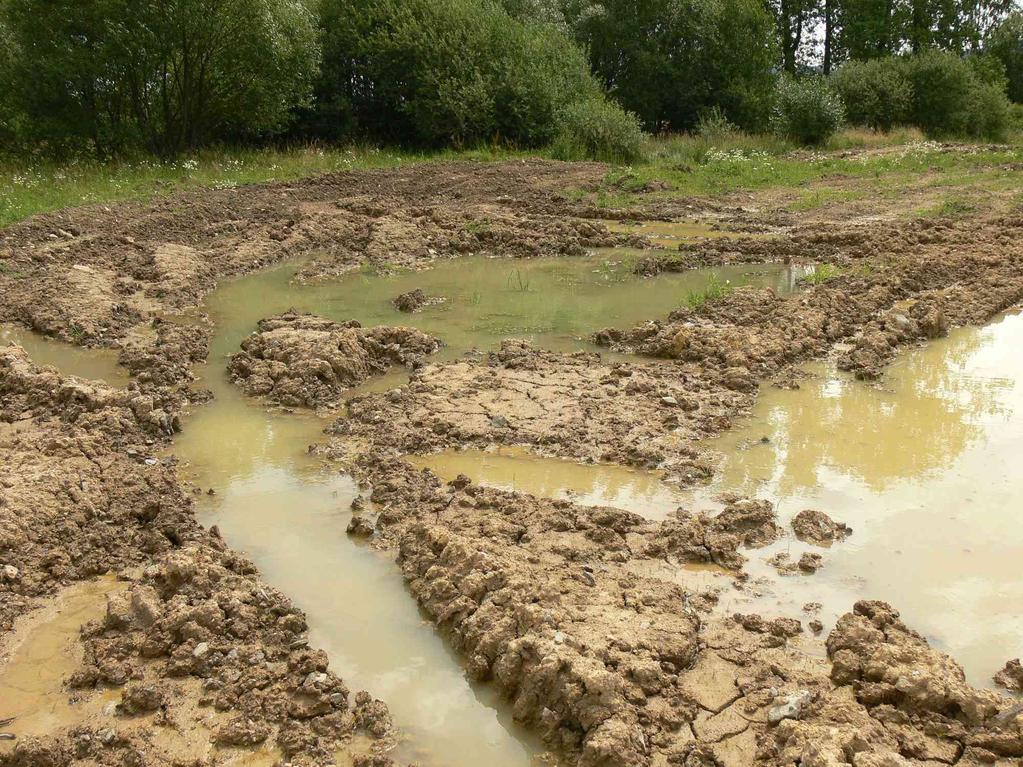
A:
x: 301, y: 360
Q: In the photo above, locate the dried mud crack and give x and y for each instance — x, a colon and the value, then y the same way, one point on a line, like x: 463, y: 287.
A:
x: 580, y: 615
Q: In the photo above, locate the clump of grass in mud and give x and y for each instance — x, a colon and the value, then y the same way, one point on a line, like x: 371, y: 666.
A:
x: 953, y: 207
x: 481, y: 226
x: 821, y: 274
x: 518, y: 282
x: 715, y: 289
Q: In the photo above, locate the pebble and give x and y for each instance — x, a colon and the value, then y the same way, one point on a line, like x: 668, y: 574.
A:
x: 10, y: 572
x: 791, y: 707
x: 201, y: 649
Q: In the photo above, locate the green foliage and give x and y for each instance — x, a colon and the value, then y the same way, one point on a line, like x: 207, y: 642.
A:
x: 950, y: 99
x: 597, y: 129
x: 822, y: 274
x: 806, y: 110
x: 716, y: 289
x: 111, y: 75
x: 1006, y: 44
x: 714, y: 124
x: 446, y: 72
x: 669, y: 60
x: 941, y: 93
x: 875, y: 93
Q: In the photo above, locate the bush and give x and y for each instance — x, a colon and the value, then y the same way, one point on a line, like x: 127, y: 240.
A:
x: 443, y: 72
x: 950, y: 99
x: 714, y: 124
x: 597, y: 129
x: 806, y: 110
x: 876, y: 93
x: 113, y: 76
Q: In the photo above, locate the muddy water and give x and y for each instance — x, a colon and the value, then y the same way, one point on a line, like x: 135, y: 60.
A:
x: 44, y: 652
x: 554, y: 302
x: 505, y: 468
x: 925, y: 469
x: 272, y: 501
x: 288, y: 514
x: 94, y: 364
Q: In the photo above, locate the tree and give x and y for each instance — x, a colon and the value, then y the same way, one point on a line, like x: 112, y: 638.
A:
x: 794, y: 18
x: 443, y: 72
x: 670, y: 60
x: 168, y: 76
x: 1006, y: 44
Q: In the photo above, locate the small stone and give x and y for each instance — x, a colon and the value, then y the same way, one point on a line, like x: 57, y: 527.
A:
x: 201, y: 649
x: 790, y: 707
x: 669, y: 401
x: 10, y: 573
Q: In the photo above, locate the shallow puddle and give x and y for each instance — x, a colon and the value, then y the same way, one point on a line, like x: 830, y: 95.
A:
x: 93, y: 364
x: 509, y: 468
x: 45, y: 651
x: 279, y: 506
x: 924, y: 469
x: 554, y: 302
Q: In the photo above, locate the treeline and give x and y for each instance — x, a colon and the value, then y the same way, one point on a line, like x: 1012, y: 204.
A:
x: 111, y: 77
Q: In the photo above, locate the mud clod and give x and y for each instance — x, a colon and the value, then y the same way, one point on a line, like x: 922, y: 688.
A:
x: 414, y: 301
x: 1011, y: 676
x: 818, y: 528
x: 300, y: 360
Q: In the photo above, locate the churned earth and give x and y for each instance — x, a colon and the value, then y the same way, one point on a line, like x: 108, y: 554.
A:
x: 584, y: 617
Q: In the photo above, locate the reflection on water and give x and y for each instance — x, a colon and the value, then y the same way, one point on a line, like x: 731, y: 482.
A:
x: 511, y: 468
x: 925, y: 471
x: 94, y: 364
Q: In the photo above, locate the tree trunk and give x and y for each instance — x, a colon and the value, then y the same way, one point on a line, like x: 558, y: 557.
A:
x: 829, y: 35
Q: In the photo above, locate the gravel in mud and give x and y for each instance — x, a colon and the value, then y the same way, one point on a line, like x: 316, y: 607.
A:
x: 582, y: 616
x: 300, y: 360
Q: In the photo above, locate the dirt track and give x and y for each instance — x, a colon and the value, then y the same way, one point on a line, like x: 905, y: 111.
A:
x: 573, y: 612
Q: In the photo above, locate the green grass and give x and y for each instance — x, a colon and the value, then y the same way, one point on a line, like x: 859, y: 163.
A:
x: 28, y: 187
x: 822, y: 273
x: 698, y: 166
x: 715, y: 289
x: 689, y: 165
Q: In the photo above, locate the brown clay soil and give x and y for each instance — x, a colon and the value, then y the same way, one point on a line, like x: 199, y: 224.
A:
x: 582, y: 616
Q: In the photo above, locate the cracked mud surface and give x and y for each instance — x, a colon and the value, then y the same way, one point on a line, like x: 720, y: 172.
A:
x: 564, y: 608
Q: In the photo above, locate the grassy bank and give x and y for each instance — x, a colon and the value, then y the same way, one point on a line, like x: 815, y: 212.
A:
x: 683, y: 165
x: 27, y: 188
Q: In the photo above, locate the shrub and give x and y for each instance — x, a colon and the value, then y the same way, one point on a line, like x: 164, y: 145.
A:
x: 441, y: 72
x: 806, y: 110
x: 875, y: 93
x: 950, y: 99
x: 714, y: 124
x: 597, y: 129
x: 166, y: 76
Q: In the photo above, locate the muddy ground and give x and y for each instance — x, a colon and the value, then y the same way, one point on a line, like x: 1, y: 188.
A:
x: 580, y: 615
